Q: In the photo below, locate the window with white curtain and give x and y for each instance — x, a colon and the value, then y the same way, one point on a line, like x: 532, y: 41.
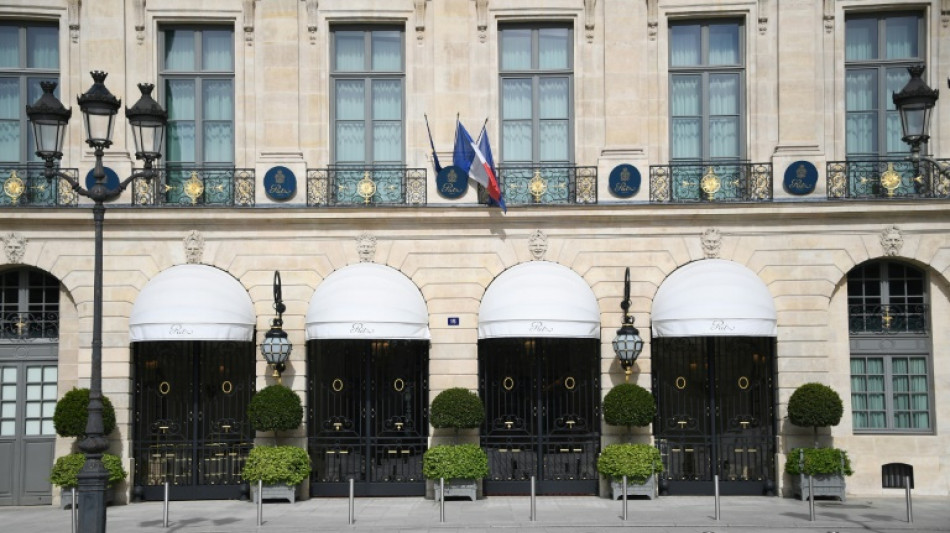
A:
x: 891, y: 389
x: 197, y: 80
x: 878, y: 49
x: 29, y: 54
x: 367, y: 81
x: 707, y: 108
x: 537, y: 86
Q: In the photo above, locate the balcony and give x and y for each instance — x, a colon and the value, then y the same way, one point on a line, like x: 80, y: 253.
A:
x: 25, y: 186
x: 366, y: 186
x: 196, y: 187
x: 887, y: 319
x: 887, y: 179
x: 712, y: 182
x: 545, y: 185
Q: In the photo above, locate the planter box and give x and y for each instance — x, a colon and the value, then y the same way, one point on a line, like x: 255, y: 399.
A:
x: 457, y: 488
x: 275, y: 492
x: 825, y: 485
x: 647, y: 489
x: 66, y: 497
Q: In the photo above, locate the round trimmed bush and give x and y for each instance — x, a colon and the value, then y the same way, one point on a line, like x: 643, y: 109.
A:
x: 628, y: 404
x: 72, y: 413
x: 457, y: 408
x: 815, y: 405
x: 275, y: 408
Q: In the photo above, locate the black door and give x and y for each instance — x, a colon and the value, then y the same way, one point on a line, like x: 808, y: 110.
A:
x: 715, y: 402
x: 368, y: 416
x: 542, y: 403
x: 190, y: 426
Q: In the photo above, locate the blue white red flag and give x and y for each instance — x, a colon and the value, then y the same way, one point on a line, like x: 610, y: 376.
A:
x: 470, y: 158
x: 485, y: 148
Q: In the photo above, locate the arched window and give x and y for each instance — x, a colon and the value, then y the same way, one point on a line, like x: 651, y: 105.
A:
x: 29, y: 305
x: 891, y: 367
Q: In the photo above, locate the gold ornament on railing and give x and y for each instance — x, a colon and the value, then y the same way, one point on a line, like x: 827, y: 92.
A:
x: 193, y: 188
x: 710, y: 183
x: 890, y: 179
x: 366, y: 188
x: 538, y: 186
x: 14, y: 187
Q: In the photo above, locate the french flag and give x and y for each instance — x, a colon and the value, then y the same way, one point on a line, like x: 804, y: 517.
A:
x: 473, y: 160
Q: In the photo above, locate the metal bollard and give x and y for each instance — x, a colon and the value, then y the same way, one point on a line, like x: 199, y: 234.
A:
x: 910, y: 506
x: 165, y: 509
x: 75, y: 512
x: 352, y: 506
x: 811, y: 498
x: 534, y: 508
x: 624, y: 495
x: 441, y: 499
x: 716, y: 489
x: 260, y: 502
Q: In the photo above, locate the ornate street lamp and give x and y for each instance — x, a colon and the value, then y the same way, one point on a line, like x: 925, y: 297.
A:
x: 276, y: 347
x: 915, y: 103
x: 50, y: 118
x: 627, y: 343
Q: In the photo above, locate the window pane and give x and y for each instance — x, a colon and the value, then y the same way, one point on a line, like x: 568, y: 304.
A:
x: 9, y: 47
x: 9, y: 119
x: 516, y: 99
x: 687, y: 91
x: 387, y: 142
x: 387, y: 100
x: 897, y: 78
x: 723, y: 94
x: 724, y: 137
x: 861, y: 90
x: 553, y: 48
x: 685, y: 46
x: 350, y: 50
x: 6, y: 428
x: 181, y: 142
x: 554, y: 141
x: 32, y: 427
x: 180, y: 50
x: 349, y: 100
x: 723, y: 44
x: 387, y: 51
x: 687, y: 138
x: 218, y: 143
x: 860, y: 133
x: 516, y: 140
x: 900, y: 34
x: 217, y: 100
x: 217, y: 50
x: 553, y: 94
x: 42, y: 46
x: 350, y: 142
x: 516, y: 49
x: 860, y: 39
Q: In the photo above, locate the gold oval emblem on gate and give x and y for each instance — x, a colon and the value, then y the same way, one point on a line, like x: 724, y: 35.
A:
x: 164, y: 388
x: 227, y: 387
x: 337, y: 385
x: 399, y: 385
x: 569, y: 383
x: 680, y: 383
x: 743, y: 383
x: 508, y: 383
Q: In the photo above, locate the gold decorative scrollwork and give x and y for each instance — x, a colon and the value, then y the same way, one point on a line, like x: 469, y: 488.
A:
x: 710, y: 183
x: 193, y: 188
x: 337, y: 385
x: 366, y: 188
x: 890, y: 179
x: 569, y: 383
x: 399, y: 385
x: 67, y: 196
x: 142, y: 190
x: 244, y: 195
x: 508, y: 383
x: 227, y: 387
x: 14, y: 187
x: 680, y: 383
x: 537, y: 186
x: 164, y: 388
x: 743, y: 382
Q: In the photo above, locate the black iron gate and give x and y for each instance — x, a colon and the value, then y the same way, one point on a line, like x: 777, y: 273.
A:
x: 190, y: 418
x: 715, y: 400
x: 542, y: 406
x: 368, y: 416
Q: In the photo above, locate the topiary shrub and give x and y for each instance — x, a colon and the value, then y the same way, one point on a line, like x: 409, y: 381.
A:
x: 72, y: 413
x: 818, y: 461
x: 275, y: 408
x: 460, y: 461
x: 65, y: 471
x: 636, y: 461
x: 457, y: 408
x: 628, y: 404
x: 815, y: 405
x: 277, y: 465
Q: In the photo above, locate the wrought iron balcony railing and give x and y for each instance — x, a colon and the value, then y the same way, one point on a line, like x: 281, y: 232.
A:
x: 545, y: 185
x: 888, y: 178
x: 25, y: 327
x: 366, y: 186
x: 887, y: 319
x: 711, y: 181
x: 26, y: 186
x: 197, y: 187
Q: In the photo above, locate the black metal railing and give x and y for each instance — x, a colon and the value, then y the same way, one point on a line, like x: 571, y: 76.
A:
x: 22, y: 327
x: 887, y: 319
x: 26, y: 186
x: 366, y: 186
x: 888, y: 178
x: 198, y: 186
x: 711, y: 181
x: 545, y: 185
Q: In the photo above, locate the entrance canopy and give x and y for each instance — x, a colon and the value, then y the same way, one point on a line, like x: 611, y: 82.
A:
x: 367, y: 301
x: 713, y: 298
x: 193, y: 302
x: 539, y: 299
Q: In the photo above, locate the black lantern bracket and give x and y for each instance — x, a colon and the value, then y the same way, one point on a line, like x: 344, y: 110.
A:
x: 915, y: 104
x: 627, y: 344
x: 276, y: 346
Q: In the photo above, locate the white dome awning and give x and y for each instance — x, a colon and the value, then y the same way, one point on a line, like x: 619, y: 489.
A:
x: 367, y: 301
x: 193, y: 302
x: 713, y: 298
x: 539, y: 299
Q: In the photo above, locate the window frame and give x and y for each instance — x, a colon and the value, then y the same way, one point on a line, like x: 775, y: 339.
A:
x: 704, y: 70
x: 536, y: 75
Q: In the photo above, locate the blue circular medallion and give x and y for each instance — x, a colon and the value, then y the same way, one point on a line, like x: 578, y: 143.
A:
x: 280, y: 183
x: 800, y: 178
x: 111, y: 181
x: 452, y: 182
x: 624, y: 181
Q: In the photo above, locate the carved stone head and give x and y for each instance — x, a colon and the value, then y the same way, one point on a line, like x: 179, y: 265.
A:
x: 194, y: 247
x: 538, y: 245
x: 366, y: 247
x: 892, y: 241
x: 712, y: 241
x: 15, y: 246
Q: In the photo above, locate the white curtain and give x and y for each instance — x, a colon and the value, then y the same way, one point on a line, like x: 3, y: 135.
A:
x: 553, y: 48
x: 10, y: 110
x: 516, y: 109
x: 218, y: 120
x: 723, y: 44
x: 687, y: 122
x: 42, y: 46
x: 900, y: 34
x: 9, y: 47
x: 180, y: 50
x: 685, y: 46
x: 180, y: 102
x: 387, y: 51
x: 861, y: 104
x: 350, y: 116
x: 724, y: 115
x: 860, y: 39
x: 553, y: 110
x: 387, y: 121
x: 349, y: 48
x: 516, y: 49
x: 217, y: 51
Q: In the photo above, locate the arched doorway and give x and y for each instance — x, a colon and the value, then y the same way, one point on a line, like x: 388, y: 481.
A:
x: 192, y: 331
x: 29, y: 348
x: 538, y: 369
x: 368, y: 390
x: 713, y: 361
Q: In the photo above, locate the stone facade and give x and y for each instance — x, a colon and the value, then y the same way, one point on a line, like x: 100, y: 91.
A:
x: 801, y: 247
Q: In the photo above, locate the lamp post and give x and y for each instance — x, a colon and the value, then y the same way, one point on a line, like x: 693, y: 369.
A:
x: 49, y: 119
x: 276, y: 347
x: 915, y: 103
x: 627, y: 343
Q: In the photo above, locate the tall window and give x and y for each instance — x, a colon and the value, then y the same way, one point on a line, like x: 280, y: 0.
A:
x: 197, y: 73
x: 29, y: 54
x: 537, y: 84
x: 890, y: 348
x: 368, y: 79
x: 707, y: 108
x: 29, y: 305
x: 878, y: 50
